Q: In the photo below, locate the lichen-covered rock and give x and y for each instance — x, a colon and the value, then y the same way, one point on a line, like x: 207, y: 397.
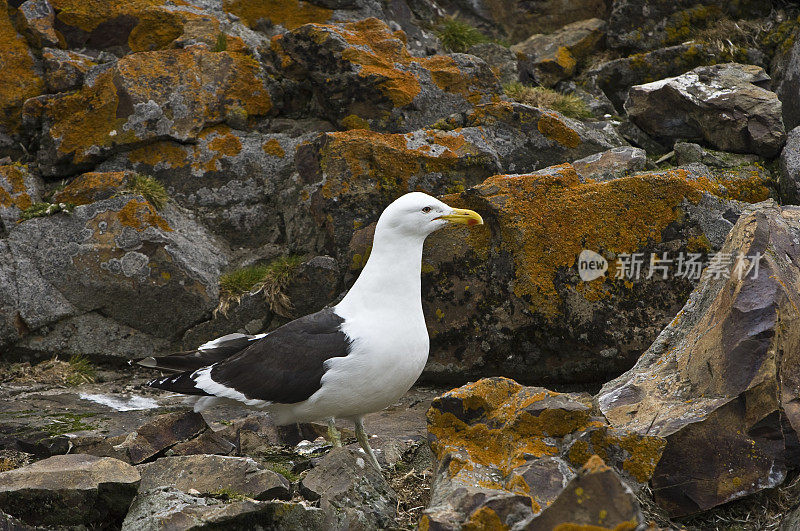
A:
x: 69, y: 490
x: 93, y: 186
x: 610, y: 164
x: 65, y: 70
x: 790, y: 168
x: 507, y: 297
x: 154, y: 272
x: 723, y: 105
x: 352, y: 494
x: 595, y: 498
x: 615, y: 77
x: 361, y: 75
x: 690, y: 153
x: 169, y: 508
x: 507, y: 453
x: 36, y: 18
x: 640, y: 25
x: 548, y: 59
x: 209, y: 474
x: 724, y: 373
x: 19, y: 189
x: 22, y: 75
x: 242, y: 185
x: 147, y: 96
x: 788, y: 88
x: 500, y: 59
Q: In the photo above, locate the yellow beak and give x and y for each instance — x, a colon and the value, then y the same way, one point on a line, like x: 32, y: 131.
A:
x: 463, y: 216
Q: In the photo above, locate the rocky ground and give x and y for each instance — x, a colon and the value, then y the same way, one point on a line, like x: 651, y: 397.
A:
x: 175, y: 170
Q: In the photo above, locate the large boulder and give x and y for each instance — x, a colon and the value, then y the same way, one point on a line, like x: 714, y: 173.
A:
x: 361, y: 75
x: 149, y: 273
x: 69, y: 490
x: 615, y: 77
x: 723, y: 105
x: 790, y: 168
x: 143, y: 97
x: 548, y: 59
x: 517, y: 456
x: 719, y: 383
x: 508, y: 298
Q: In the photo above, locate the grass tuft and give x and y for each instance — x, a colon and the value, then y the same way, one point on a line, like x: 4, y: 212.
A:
x: 566, y: 104
x: 228, y: 495
x: 41, y: 210
x: 457, y: 36
x: 222, y: 43
x: 149, y: 188
x: 270, y: 279
x: 81, y: 370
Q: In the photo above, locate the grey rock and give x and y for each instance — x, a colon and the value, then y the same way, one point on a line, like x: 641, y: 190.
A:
x: 723, y: 105
x: 594, y: 98
x: 610, y: 164
x: 209, y: 474
x: 160, y: 434
x: 352, y: 493
x: 790, y: 168
x: 500, y: 59
x: 65, y: 70
x: 9, y: 523
x: 633, y: 134
x: 615, y: 77
x: 314, y: 285
x: 169, y: 508
x: 75, y: 489
x: 788, y: 88
x: 67, y: 265
x: 37, y: 18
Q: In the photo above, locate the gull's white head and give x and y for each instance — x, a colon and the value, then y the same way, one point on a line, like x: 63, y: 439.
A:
x: 418, y: 214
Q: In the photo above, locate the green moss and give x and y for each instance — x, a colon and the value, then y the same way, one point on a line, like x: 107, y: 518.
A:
x: 149, y: 188
x: 61, y: 423
x: 781, y: 39
x: 566, y: 104
x: 284, y: 471
x: 40, y: 210
x: 684, y: 24
x: 457, y: 36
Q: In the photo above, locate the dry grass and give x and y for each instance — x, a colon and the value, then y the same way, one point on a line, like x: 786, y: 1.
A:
x: 76, y: 371
x: 413, y: 494
x: 762, y: 511
x: 11, y: 459
x: 150, y: 188
x: 546, y: 98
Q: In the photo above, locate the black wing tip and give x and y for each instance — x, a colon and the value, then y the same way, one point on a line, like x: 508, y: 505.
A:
x: 182, y: 383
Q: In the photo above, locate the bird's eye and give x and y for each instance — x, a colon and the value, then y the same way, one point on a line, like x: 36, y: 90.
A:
x: 426, y: 209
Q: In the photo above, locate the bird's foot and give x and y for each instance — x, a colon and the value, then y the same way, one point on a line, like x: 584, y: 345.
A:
x: 363, y: 440
x: 333, y: 434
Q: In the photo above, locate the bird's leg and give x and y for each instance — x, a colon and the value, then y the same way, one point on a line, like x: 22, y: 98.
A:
x: 333, y: 434
x: 363, y: 440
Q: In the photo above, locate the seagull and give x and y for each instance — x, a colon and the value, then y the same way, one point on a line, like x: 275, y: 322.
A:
x: 357, y: 357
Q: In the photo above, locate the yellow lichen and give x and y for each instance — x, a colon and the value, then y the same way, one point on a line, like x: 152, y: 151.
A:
x: 551, y: 126
x: 140, y: 215
x: 20, y: 80
x: 273, y: 147
x: 353, y: 121
x: 86, y: 188
x: 485, y: 518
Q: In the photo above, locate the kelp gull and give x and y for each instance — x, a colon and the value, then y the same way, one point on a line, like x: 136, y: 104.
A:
x: 355, y: 358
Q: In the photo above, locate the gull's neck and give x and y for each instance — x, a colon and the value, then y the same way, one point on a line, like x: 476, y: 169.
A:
x: 391, y: 277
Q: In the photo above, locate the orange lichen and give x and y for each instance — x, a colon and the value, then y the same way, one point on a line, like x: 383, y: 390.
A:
x: 290, y: 14
x: 483, y: 519
x: 20, y: 80
x: 171, y: 154
x: 140, y: 215
x: 571, y: 216
x: 640, y: 454
x: 273, y: 147
x: 88, y: 15
x: 13, y: 189
x: 90, y: 187
x: 551, y: 126
x: 157, y: 28
x: 507, y: 435
x: 226, y: 144
x: 448, y: 77
x: 360, y: 159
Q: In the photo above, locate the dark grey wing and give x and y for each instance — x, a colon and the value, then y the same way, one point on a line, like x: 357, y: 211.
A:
x: 207, y: 354
x: 285, y: 367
